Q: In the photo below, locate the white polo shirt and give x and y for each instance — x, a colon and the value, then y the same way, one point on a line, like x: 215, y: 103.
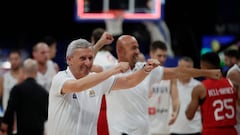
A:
x: 127, y: 110
x: 74, y: 113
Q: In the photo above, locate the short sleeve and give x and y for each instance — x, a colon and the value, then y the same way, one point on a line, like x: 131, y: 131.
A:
x: 156, y: 75
x: 57, y: 83
x: 139, y: 66
x: 107, y: 67
x: 106, y: 85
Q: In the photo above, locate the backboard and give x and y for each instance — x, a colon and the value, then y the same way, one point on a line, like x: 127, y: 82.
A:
x: 87, y: 10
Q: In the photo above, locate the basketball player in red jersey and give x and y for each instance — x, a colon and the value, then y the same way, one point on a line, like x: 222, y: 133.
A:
x: 217, y: 99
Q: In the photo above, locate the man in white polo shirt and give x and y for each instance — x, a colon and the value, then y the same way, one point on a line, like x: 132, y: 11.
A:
x: 75, y: 94
x: 127, y: 111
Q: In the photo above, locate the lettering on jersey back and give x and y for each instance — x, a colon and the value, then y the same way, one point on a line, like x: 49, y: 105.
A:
x: 221, y: 91
x: 157, y: 89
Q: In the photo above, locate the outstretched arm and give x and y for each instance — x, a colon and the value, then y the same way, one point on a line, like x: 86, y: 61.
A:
x: 180, y: 72
x: 135, y: 78
x: 96, y: 68
x: 92, y: 80
x: 105, y: 39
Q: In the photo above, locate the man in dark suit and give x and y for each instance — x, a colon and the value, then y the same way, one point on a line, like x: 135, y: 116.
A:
x: 29, y: 101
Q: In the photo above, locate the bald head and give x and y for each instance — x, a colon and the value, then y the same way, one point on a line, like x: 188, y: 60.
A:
x: 30, y: 68
x: 41, y: 52
x: 125, y: 40
x: 127, y: 49
x: 39, y: 45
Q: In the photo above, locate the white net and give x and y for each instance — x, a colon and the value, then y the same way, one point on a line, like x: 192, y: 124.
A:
x: 114, y: 26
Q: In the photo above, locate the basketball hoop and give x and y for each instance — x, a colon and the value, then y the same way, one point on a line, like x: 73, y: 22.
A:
x: 114, y: 26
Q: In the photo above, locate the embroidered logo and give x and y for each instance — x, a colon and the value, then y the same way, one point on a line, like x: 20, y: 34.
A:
x: 91, y: 93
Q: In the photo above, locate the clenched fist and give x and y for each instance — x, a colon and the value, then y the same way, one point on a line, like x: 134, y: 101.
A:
x: 122, y: 67
x: 106, y: 38
x: 215, y: 74
x: 150, y: 65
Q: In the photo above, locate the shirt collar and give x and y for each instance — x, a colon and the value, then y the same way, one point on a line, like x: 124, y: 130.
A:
x: 68, y: 71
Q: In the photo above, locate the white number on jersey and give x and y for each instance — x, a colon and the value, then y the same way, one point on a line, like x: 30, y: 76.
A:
x: 221, y: 105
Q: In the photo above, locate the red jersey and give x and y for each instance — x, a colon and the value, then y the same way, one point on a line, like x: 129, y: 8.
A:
x: 219, y: 108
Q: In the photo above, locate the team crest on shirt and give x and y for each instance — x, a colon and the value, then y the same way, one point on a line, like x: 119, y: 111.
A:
x: 91, y: 93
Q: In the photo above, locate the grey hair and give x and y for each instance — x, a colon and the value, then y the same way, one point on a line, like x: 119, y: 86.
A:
x: 30, y: 66
x: 75, y: 44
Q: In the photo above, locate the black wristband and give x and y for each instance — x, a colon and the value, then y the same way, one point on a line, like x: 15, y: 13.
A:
x: 145, y: 69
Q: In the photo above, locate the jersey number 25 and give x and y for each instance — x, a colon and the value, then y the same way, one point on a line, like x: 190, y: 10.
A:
x: 221, y: 105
